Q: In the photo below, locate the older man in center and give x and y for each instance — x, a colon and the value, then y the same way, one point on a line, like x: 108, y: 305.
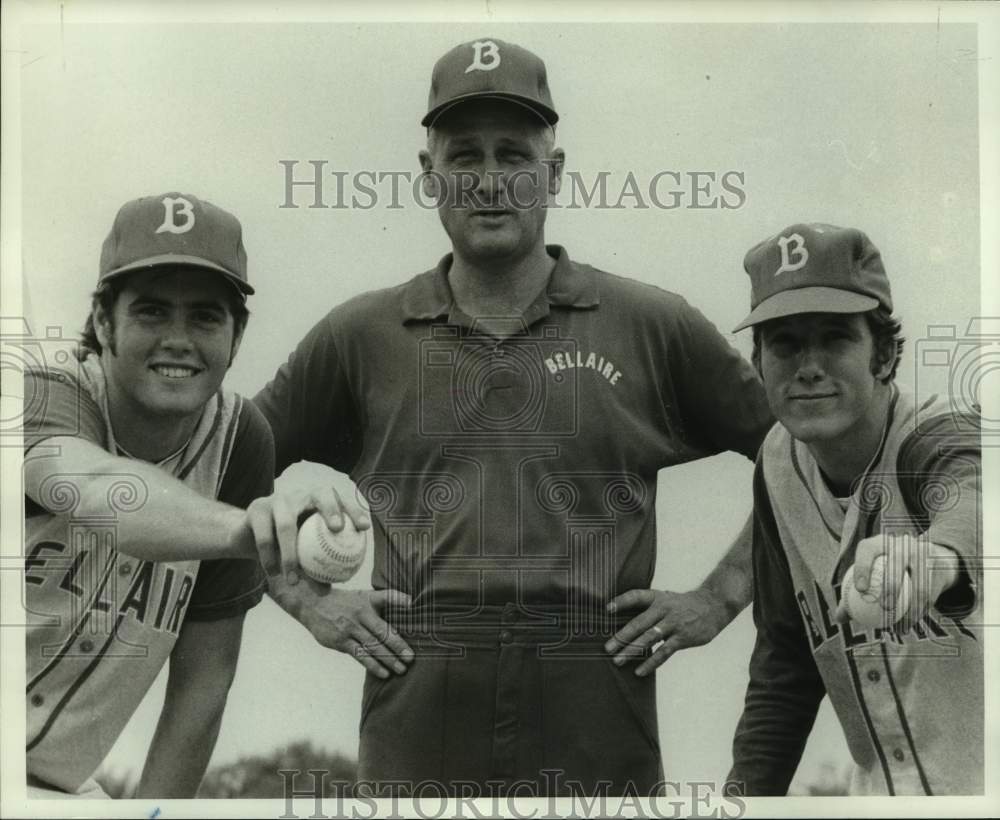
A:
x: 506, y: 414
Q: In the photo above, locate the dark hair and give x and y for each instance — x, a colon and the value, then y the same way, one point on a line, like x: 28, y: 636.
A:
x: 107, y: 294
x: 885, y: 329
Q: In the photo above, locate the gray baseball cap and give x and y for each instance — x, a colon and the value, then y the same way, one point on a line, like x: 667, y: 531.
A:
x: 175, y: 229
x: 814, y: 268
x: 490, y: 68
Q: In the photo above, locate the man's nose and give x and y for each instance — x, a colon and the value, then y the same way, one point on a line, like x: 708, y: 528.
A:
x: 488, y: 180
x: 810, y: 365
x: 176, y: 335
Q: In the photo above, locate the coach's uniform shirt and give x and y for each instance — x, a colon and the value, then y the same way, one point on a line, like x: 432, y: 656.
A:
x: 512, y: 482
x: 910, y: 701
x: 101, y: 623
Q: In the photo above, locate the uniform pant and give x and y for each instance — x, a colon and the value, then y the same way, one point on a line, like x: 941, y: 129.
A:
x: 510, y: 702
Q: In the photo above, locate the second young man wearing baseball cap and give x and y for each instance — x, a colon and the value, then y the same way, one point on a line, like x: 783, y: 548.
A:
x: 857, y: 469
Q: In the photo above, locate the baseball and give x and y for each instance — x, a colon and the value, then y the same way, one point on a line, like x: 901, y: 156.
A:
x: 867, y: 608
x: 326, y: 556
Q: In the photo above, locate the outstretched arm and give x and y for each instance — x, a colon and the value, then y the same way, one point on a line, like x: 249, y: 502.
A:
x: 202, y: 666
x: 168, y: 521
x: 940, y: 472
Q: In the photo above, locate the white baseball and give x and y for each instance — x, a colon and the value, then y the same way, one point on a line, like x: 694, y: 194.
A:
x: 867, y: 608
x: 326, y: 556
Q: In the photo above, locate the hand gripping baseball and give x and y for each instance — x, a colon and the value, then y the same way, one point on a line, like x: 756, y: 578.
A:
x: 303, y: 488
x: 327, y: 556
x: 909, y: 578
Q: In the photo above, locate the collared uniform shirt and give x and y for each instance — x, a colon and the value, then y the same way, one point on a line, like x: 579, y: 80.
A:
x: 510, y: 467
x: 522, y: 466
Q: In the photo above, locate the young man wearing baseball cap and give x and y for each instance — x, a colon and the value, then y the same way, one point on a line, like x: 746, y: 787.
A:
x: 508, y: 433
x: 856, y: 470
x: 130, y: 556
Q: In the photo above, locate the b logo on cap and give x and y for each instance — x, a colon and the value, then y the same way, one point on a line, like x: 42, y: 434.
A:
x: 170, y: 206
x: 799, y: 250
x: 484, y: 48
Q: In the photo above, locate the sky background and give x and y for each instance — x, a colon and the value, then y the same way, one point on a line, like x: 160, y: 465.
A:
x: 873, y: 126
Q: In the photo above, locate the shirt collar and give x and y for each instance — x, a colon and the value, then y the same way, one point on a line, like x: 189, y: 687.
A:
x: 428, y: 296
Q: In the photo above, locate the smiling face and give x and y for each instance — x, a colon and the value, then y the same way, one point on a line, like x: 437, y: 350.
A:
x: 497, y: 168
x: 818, y: 374
x: 173, y: 337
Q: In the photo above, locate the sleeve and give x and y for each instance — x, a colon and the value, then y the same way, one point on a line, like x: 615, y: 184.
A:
x: 785, y: 687
x: 940, y: 475
x: 310, y: 406
x: 722, y: 401
x: 57, y: 404
x: 227, y: 587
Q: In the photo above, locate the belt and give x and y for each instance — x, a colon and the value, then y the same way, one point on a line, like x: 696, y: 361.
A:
x: 556, y: 630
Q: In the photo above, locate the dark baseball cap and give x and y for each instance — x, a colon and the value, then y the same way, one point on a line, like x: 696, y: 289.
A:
x: 490, y: 68
x: 175, y: 229
x: 814, y: 268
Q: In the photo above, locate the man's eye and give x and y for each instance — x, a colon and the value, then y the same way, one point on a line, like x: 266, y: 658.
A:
x: 149, y: 311
x: 208, y: 317
x: 781, y: 343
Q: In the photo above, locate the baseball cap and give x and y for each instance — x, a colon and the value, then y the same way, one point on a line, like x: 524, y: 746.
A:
x: 175, y: 229
x: 489, y: 68
x: 814, y: 268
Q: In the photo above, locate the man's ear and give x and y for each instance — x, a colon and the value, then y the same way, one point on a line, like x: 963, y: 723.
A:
x: 886, y: 359
x: 103, y: 327
x: 555, y: 162
x: 429, y: 179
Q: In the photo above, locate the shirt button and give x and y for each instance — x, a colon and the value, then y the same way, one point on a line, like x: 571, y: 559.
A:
x: 506, y: 636
x: 86, y: 646
x: 898, y: 754
x: 37, y: 700
x: 874, y: 676
x: 124, y: 569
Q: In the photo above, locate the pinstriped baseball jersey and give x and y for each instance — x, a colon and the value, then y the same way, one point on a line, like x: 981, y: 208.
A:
x: 910, y: 701
x: 101, y: 623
